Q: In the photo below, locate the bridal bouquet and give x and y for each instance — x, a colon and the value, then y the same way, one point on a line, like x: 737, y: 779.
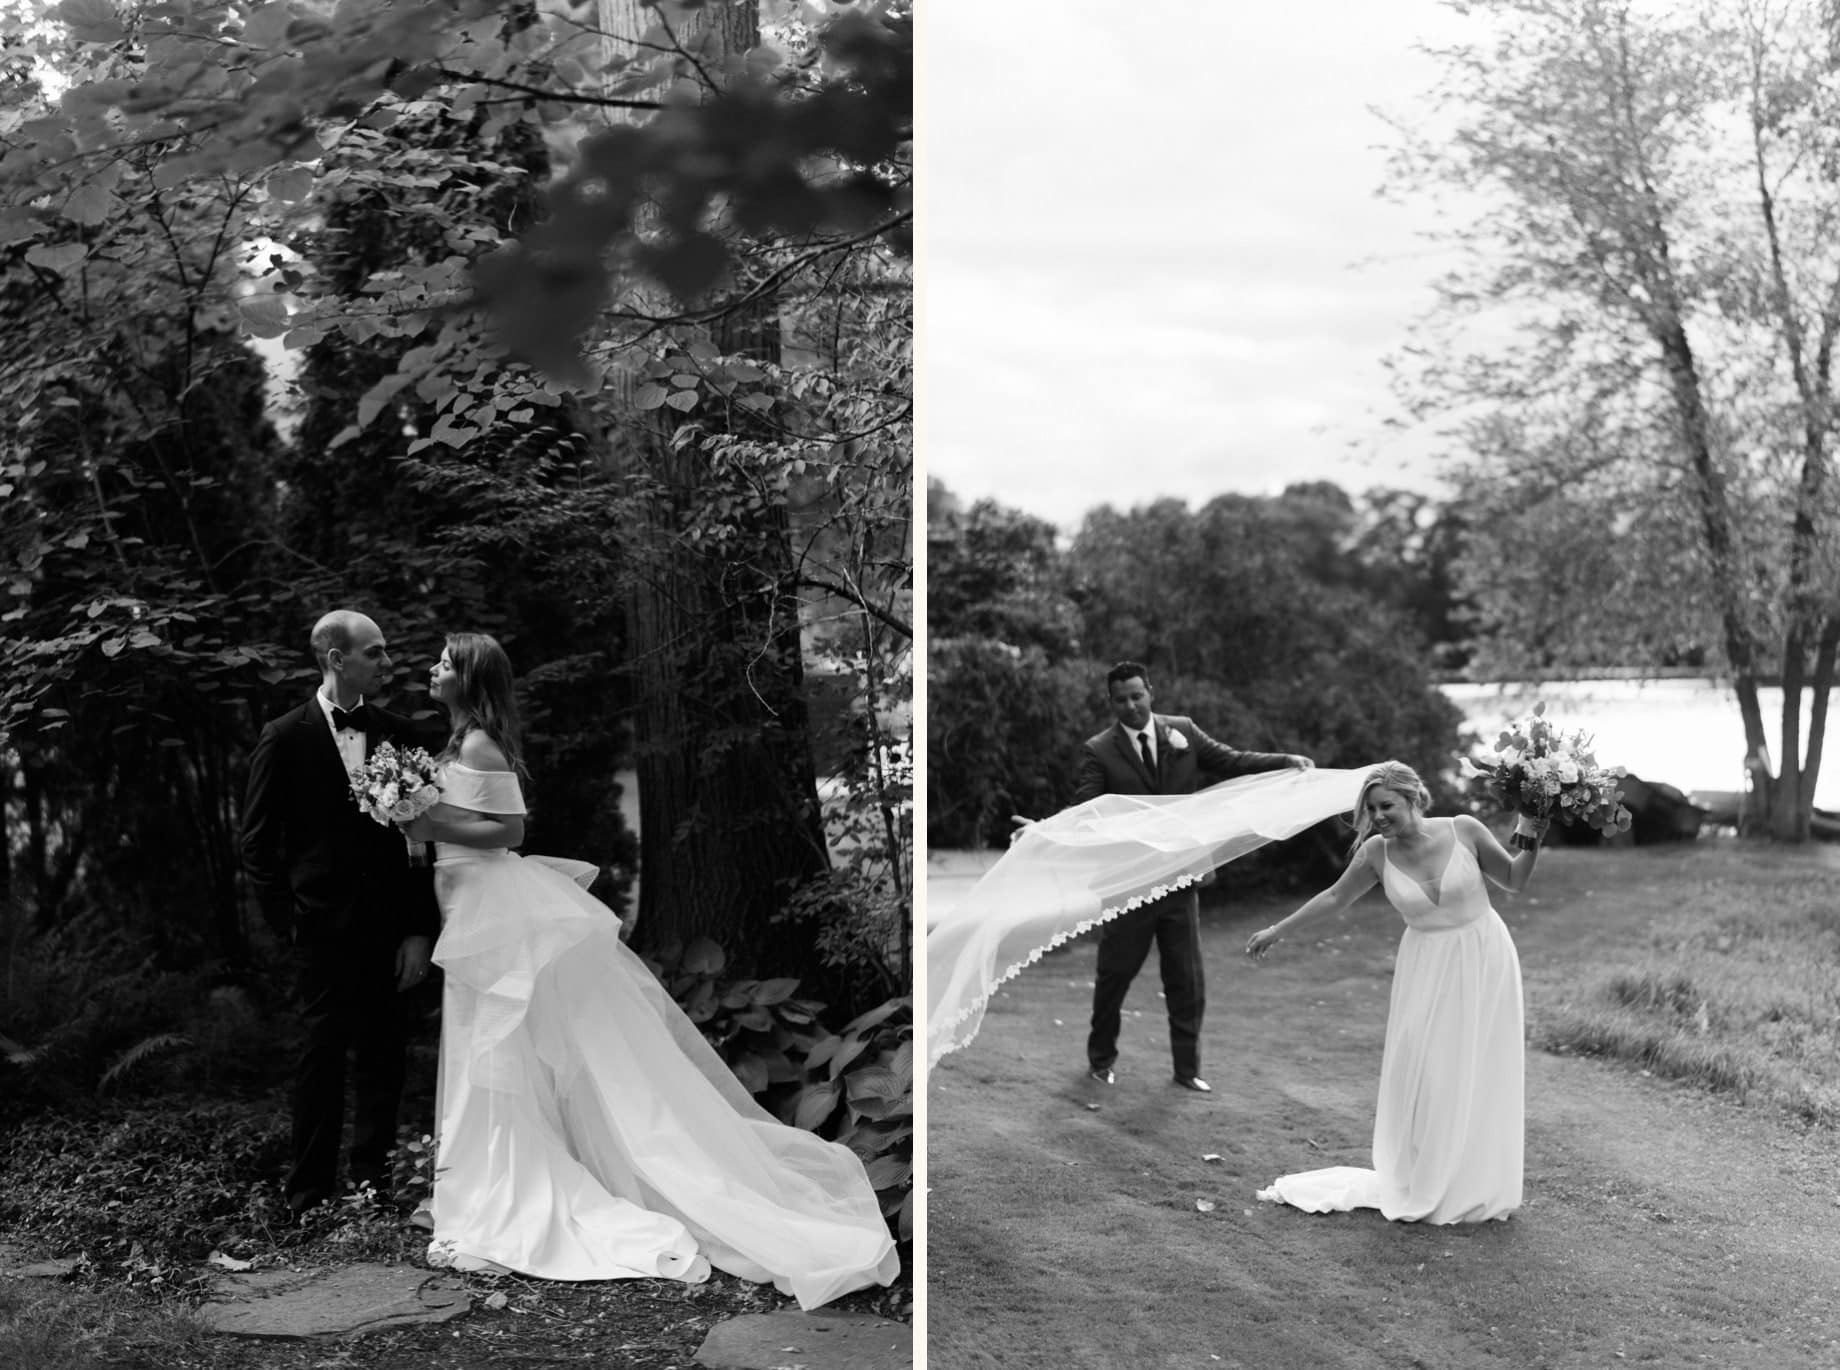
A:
x: 396, y: 786
x: 1542, y: 773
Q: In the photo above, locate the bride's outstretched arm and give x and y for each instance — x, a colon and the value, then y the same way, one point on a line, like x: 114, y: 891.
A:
x: 1359, y: 878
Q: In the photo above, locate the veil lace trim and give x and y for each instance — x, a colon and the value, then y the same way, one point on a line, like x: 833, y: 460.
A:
x: 1095, y: 862
x: 973, y: 1013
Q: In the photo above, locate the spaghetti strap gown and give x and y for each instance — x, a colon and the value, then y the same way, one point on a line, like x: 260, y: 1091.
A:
x: 587, y: 1130
x: 1448, y: 1127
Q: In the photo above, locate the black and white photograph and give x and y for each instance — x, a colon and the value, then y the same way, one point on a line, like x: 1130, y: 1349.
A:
x: 1382, y: 607
x: 457, y: 728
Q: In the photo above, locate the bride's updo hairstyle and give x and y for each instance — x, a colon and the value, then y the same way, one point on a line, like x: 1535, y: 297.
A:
x: 487, y: 700
x: 1396, y: 776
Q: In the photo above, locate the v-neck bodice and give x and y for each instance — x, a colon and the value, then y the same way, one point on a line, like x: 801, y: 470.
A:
x: 1460, y: 896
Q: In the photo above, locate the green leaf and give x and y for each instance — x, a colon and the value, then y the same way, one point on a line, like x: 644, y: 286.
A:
x: 704, y: 957
x: 682, y: 400
x: 649, y: 397
x: 455, y: 435
x: 92, y: 21
x: 290, y: 184
x: 58, y: 257
x: 89, y: 205
x: 775, y: 991
x: 752, y: 1072
x: 267, y: 25
x: 816, y: 1103
x: 265, y: 316
x: 885, y: 1172
x: 874, y: 1082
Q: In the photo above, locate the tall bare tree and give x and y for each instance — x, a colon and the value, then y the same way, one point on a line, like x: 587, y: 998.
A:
x: 1648, y: 197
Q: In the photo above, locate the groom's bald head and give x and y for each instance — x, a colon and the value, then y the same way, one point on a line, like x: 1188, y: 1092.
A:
x: 351, y: 653
x: 339, y: 629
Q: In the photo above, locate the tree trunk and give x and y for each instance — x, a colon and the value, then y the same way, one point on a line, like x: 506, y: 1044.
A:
x: 1716, y: 523
x: 729, y: 817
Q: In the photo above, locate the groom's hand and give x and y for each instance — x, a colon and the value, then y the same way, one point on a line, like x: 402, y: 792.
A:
x: 412, y: 962
x: 1300, y: 763
x: 1022, y: 825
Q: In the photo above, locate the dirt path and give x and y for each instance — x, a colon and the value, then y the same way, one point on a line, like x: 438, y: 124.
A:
x: 1662, y: 1226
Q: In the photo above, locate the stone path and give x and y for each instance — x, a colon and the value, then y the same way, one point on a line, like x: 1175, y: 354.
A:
x: 18, y: 1265
x: 808, y: 1341
x: 350, y: 1301
x: 337, y: 1301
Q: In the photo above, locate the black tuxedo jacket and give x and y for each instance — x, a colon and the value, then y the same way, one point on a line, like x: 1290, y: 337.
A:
x: 1110, y: 762
x: 321, y: 868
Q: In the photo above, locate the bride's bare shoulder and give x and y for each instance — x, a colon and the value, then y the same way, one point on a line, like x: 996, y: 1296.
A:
x: 481, y: 753
x: 1468, y: 827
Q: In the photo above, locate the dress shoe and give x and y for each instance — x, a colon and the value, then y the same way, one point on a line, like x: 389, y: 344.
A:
x: 1103, y: 1074
x: 1196, y: 1083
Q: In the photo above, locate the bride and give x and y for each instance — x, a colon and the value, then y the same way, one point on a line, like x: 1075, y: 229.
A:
x: 586, y: 1130
x: 1448, y: 1125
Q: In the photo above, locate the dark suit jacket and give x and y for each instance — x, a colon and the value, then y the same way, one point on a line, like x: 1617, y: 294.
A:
x: 321, y: 868
x: 1110, y: 763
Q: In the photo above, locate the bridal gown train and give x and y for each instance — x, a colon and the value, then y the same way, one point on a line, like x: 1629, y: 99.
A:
x: 1449, y: 1123
x: 587, y: 1130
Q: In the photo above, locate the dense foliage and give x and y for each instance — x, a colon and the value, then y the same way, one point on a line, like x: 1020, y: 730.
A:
x: 585, y: 325
x: 1300, y: 623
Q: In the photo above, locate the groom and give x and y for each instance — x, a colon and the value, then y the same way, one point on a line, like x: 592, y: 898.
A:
x: 1151, y: 753
x: 338, y: 886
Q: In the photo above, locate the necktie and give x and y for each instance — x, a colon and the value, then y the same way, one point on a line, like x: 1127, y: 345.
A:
x: 358, y: 719
x: 1143, y: 745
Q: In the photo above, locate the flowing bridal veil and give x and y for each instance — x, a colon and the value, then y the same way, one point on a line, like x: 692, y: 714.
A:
x: 1095, y: 861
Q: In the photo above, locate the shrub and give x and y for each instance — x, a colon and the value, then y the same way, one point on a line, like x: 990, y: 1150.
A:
x: 859, y: 1090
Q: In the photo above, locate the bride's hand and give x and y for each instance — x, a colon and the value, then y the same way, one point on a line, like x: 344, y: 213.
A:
x: 418, y: 829
x: 1261, y: 941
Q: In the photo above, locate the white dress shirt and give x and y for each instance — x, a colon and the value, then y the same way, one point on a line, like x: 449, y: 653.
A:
x: 349, y: 741
x: 1147, y: 731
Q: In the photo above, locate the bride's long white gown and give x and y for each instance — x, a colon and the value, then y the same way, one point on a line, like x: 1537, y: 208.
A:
x: 1448, y: 1127
x: 587, y: 1130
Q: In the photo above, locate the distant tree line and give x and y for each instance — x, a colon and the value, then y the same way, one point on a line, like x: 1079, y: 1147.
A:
x: 1305, y: 622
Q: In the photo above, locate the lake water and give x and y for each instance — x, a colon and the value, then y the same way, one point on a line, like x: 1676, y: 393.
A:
x: 1684, y: 732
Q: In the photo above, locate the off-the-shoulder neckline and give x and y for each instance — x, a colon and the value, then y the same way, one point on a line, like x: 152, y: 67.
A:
x: 461, y: 765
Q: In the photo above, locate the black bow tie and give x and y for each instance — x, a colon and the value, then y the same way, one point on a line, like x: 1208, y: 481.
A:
x: 358, y: 719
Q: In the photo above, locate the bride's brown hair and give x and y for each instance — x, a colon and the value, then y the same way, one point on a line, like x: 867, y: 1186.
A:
x: 1396, y: 776
x: 486, y: 695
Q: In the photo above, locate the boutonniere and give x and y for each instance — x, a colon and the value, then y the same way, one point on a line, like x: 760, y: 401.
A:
x: 1177, y: 743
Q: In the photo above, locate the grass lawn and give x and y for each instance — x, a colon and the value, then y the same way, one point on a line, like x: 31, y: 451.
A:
x: 1681, y: 1154
x: 1720, y: 964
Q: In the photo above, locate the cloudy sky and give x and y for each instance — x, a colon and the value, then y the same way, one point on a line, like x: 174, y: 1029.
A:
x: 1153, y: 260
